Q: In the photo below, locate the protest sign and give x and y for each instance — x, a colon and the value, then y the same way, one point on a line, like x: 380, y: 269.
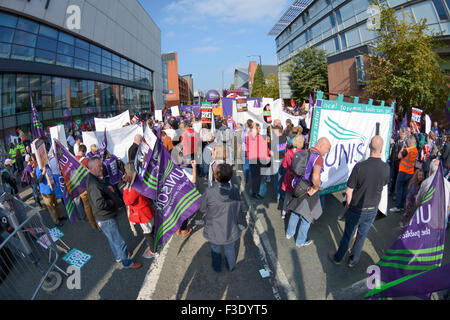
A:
x: 58, y: 133
x: 241, y: 104
x: 349, y: 127
x: 76, y: 258
x: 38, y: 148
x: 113, y: 123
x: 158, y: 115
x: 206, y: 112
x: 416, y: 116
x: 175, y: 111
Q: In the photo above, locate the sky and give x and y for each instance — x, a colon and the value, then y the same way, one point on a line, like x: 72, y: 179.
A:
x: 215, y: 36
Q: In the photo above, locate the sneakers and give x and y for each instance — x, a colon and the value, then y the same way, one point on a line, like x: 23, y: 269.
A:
x: 395, y: 209
x: 136, y: 265
x: 283, y: 216
x: 149, y: 254
x: 307, y: 243
x: 331, y: 256
x: 288, y: 237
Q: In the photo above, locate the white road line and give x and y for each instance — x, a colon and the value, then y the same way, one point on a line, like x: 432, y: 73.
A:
x: 260, y: 237
x: 153, y: 274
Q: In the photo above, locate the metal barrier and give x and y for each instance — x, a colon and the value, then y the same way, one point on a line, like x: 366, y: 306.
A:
x: 28, y: 254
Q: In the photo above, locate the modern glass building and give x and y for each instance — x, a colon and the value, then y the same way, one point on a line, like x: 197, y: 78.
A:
x: 109, y: 65
x: 340, y: 28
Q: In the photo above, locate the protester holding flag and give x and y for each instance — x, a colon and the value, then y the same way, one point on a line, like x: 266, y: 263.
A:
x: 223, y: 209
x: 141, y: 209
x: 363, y: 195
x: 104, y: 207
x: 132, y: 151
x: 308, y: 207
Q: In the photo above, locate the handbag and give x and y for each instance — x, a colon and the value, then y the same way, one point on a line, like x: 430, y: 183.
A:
x: 301, y: 188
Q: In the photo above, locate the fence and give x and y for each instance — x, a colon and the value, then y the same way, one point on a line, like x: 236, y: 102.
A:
x: 28, y: 253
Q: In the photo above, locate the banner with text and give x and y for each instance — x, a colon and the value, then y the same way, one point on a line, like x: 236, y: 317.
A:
x: 113, y: 123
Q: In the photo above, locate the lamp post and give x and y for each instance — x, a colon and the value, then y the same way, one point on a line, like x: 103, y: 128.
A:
x: 262, y: 78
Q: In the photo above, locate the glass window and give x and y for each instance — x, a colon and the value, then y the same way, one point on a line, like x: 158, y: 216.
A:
x: 346, y: 12
x: 66, y: 38
x: 27, y: 25
x: 45, y: 56
x: 5, y: 49
x: 440, y: 9
x: 81, y: 54
x: 46, y: 84
x: 448, y: 4
x: 81, y: 44
x: 336, y: 43
x: 63, y: 60
x: 106, y: 62
x: 48, y: 32
x: 8, y: 20
x: 25, y: 38
x: 343, y: 41
x: 352, y: 37
x: 106, y: 54
x: 8, y: 94
x: 22, y: 82
x: 65, y: 92
x: 81, y: 64
x: 424, y: 10
x: 23, y: 102
x: 22, y: 53
x: 106, y: 70
x: 95, y: 58
x: 46, y: 43
x: 115, y: 58
x: 115, y: 73
x: 338, y: 17
x: 6, y: 34
x: 65, y: 49
x: 124, y: 75
x: 93, y: 67
x: 116, y: 65
x: 95, y: 49
x: 56, y: 92
x: 360, y: 5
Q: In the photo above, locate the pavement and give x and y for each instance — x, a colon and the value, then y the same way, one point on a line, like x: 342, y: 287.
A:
x: 183, y: 269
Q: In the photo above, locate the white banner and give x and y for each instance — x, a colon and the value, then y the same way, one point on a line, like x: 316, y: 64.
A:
x: 175, y: 111
x: 427, y: 124
x: 159, y: 115
x: 113, y: 123
x: 58, y: 133
x: 349, y: 127
x: 118, y: 141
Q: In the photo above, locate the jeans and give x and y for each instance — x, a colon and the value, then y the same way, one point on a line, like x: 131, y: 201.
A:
x: 401, y: 189
x: 256, y: 177
x: 216, y: 255
x: 362, y: 220
x: 111, y: 230
x: 246, y: 168
x: 302, y: 236
x: 79, y: 208
x: 277, y: 180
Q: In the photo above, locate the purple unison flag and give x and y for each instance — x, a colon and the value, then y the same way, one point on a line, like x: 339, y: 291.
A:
x: 73, y: 172
x: 310, y: 101
x: 418, y: 249
x: 67, y: 200
x: 104, y: 146
x: 176, y: 198
x: 37, y: 128
x: 112, y: 167
x: 405, y: 121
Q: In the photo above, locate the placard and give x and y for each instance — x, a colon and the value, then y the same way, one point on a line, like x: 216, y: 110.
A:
x: 77, y: 258
x: 206, y: 112
x: 175, y: 111
x: 38, y: 148
x: 241, y: 104
x: 159, y: 115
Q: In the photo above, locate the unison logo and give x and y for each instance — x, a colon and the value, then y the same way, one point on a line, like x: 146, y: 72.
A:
x: 340, y: 133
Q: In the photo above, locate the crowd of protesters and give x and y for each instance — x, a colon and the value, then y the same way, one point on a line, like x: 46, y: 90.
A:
x: 263, y: 155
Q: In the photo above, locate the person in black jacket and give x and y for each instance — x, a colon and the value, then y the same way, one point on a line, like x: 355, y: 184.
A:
x: 224, y: 212
x: 104, y: 205
x: 132, y: 151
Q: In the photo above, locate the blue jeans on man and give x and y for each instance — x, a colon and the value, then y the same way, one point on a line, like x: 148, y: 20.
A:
x: 356, y: 220
x: 302, y: 236
x: 277, y: 181
x: 401, y: 189
x: 111, y: 230
x: 246, y: 168
x: 216, y: 255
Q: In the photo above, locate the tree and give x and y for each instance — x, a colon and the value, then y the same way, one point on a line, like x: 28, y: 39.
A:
x: 403, y: 65
x: 258, y: 81
x: 271, y: 87
x: 309, y: 72
x: 232, y: 86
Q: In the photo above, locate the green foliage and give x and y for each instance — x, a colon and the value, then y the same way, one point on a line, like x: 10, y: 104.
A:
x: 404, y: 66
x: 232, y: 87
x: 258, y: 81
x: 309, y: 72
x: 271, y: 87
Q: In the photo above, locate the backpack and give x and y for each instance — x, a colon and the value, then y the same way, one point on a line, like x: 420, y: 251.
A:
x: 298, y: 167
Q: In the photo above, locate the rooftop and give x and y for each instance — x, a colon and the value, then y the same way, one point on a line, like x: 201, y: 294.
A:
x: 294, y: 10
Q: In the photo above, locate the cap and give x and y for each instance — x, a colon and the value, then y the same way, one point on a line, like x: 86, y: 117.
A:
x: 8, y: 162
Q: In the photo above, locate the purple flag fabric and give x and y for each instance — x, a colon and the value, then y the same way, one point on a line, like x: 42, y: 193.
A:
x: 310, y: 101
x: 73, y: 172
x: 175, y: 197
x: 67, y: 200
x: 104, y: 146
x: 112, y: 167
x: 405, y: 121
x: 37, y: 128
x: 418, y: 249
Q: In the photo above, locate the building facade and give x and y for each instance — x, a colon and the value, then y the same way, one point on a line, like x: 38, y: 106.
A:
x: 107, y: 62
x: 340, y: 27
x: 244, y: 78
x: 180, y: 88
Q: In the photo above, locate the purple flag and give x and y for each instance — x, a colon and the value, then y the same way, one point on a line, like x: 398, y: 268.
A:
x: 104, y: 146
x: 112, y: 167
x: 174, y: 195
x: 418, y: 249
x: 405, y: 121
x: 73, y: 172
x: 67, y: 200
x: 310, y: 101
x: 36, y: 125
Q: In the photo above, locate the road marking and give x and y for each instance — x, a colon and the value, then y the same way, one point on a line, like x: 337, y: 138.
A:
x: 263, y: 244
x: 153, y: 274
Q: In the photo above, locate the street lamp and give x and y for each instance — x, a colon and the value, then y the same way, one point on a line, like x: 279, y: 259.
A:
x: 262, y: 78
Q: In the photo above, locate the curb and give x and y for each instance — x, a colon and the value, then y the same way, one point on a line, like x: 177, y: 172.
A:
x: 261, y: 240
